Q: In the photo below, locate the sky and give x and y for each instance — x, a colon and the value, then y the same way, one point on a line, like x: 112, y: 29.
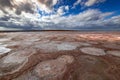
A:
x: 59, y: 14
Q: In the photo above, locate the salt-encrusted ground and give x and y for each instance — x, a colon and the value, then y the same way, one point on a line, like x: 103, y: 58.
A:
x: 60, y: 55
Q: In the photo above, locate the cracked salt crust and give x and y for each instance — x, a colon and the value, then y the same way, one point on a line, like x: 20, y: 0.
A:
x: 14, y: 58
x: 33, y: 40
x: 4, y: 39
x: 114, y: 53
x: 56, y: 46
x: 52, y: 69
x: 66, y: 46
x: 3, y: 49
x: 93, y: 51
x: 28, y: 76
x: 47, y: 47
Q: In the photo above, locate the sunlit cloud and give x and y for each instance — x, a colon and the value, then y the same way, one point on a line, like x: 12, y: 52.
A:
x: 41, y: 14
x: 92, y: 2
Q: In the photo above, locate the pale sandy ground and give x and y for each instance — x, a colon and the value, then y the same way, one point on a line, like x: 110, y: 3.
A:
x: 60, y: 55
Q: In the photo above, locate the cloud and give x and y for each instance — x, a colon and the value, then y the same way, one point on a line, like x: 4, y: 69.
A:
x: 87, y: 3
x: 28, y: 6
x: 114, y: 21
x: 23, y: 14
x: 62, y: 10
x: 17, y: 6
x: 76, y: 3
x: 89, y: 19
x: 1, y: 14
x: 67, y: 8
x: 47, y: 5
x: 84, y: 19
x: 92, y: 2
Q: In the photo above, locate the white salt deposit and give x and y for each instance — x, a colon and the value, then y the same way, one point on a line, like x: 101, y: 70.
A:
x: 66, y: 46
x: 33, y: 40
x: 52, y: 69
x: 4, y: 50
x: 67, y: 59
x: 56, y: 46
x: 93, y: 51
x: 4, y: 39
x: 14, y: 58
x: 47, y: 47
x: 114, y: 53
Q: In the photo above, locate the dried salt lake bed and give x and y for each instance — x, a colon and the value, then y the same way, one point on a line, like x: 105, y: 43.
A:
x: 60, y: 55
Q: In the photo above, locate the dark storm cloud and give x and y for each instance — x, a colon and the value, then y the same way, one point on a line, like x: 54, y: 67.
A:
x: 25, y: 6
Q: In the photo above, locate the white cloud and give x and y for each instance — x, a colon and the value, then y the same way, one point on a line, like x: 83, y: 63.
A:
x: 1, y: 14
x: 76, y: 3
x: 27, y: 20
x: 89, y: 18
x: 87, y: 3
x: 46, y: 5
x: 62, y: 10
x: 67, y: 8
x: 18, y: 6
x: 28, y: 6
x: 92, y: 2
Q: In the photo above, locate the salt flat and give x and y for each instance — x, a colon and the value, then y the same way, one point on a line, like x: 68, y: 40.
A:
x: 59, y: 55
